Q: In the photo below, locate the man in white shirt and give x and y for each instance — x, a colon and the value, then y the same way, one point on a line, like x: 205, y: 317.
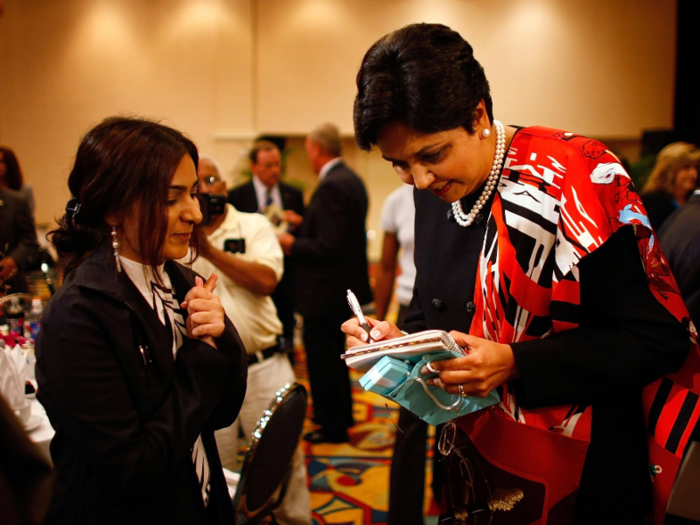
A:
x: 242, y: 248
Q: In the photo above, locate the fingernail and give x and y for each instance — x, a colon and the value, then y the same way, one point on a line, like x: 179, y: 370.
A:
x: 424, y: 371
x: 363, y: 336
x: 376, y: 334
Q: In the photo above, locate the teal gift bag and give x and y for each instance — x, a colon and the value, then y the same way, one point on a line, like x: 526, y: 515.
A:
x: 401, y: 381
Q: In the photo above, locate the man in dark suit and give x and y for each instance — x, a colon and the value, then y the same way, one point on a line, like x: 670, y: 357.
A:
x: 330, y: 254
x: 17, y: 241
x: 263, y: 194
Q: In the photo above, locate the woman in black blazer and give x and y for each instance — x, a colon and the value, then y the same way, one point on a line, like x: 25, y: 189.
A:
x: 137, y: 364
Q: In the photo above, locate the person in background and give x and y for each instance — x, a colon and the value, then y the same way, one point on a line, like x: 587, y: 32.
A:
x: 534, y: 251
x: 11, y: 176
x: 330, y: 255
x: 398, y: 215
x: 137, y: 364
x: 407, y: 473
x: 680, y: 239
x: 18, y: 241
x: 671, y: 182
x: 242, y: 248
x: 263, y: 190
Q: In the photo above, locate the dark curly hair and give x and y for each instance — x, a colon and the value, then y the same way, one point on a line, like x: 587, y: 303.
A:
x: 424, y: 75
x: 122, y: 163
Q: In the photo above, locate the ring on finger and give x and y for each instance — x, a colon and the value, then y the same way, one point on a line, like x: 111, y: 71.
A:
x: 460, y: 389
x: 429, y: 366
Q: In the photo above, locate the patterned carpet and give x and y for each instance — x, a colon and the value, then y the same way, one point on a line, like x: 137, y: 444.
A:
x: 349, y: 482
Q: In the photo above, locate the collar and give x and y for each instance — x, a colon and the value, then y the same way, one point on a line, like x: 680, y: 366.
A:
x: 261, y: 193
x: 229, y: 224
x: 98, y: 273
x: 260, y: 188
x: 328, y: 166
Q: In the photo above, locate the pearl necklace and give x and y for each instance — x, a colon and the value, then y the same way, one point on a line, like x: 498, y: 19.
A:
x: 464, y: 219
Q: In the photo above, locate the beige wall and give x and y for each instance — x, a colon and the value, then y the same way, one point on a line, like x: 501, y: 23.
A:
x: 68, y: 64
x: 601, y: 67
x: 226, y: 70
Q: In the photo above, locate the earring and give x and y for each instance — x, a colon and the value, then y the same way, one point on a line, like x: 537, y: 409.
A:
x: 486, y: 132
x: 115, y: 247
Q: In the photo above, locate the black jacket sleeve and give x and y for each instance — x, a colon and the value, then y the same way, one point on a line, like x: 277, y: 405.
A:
x: 25, y: 244
x: 625, y: 339
x: 133, y: 423
x: 234, y: 387
x: 333, y: 218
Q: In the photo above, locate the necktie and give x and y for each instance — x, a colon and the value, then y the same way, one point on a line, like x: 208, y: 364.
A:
x: 268, y: 198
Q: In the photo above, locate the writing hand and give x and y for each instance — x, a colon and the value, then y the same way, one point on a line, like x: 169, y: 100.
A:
x: 381, y: 330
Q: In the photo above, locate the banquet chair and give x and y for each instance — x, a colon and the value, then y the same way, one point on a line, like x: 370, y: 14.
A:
x: 23, y: 298
x: 268, y: 463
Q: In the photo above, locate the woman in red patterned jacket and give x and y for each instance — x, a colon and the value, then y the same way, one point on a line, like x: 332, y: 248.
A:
x: 533, y: 248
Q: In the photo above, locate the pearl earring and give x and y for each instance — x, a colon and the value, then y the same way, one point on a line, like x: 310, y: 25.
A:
x: 486, y: 132
x: 115, y: 247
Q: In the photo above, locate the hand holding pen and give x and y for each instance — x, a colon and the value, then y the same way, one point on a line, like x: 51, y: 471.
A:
x: 362, y: 330
x: 357, y: 310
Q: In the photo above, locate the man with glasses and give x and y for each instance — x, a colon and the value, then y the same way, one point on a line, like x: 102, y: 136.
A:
x: 242, y: 248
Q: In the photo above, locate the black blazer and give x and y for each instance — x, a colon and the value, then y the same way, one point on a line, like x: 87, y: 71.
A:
x: 680, y: 240
x: 126, y: 414
x: 659, y: 205
x: 331, y: 249
x: 243, y: 198
x: 17, y: 236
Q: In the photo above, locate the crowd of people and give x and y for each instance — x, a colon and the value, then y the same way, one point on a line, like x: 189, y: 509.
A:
x: 172, y: 331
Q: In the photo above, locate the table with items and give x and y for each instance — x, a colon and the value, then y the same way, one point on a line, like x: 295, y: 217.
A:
x: 20, y: 320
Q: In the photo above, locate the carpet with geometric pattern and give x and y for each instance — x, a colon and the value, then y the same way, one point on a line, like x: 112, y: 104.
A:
x: 349, y: 482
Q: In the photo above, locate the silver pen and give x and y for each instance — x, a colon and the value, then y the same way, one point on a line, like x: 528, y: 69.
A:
x: 357, y: 310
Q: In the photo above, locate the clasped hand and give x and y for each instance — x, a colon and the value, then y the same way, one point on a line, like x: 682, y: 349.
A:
x: 486, y: 366
x: 205, y: 319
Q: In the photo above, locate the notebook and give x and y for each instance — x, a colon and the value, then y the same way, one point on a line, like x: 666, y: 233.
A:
x: 412, y: 347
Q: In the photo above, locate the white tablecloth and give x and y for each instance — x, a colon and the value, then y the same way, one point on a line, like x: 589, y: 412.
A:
x: 41, y: 435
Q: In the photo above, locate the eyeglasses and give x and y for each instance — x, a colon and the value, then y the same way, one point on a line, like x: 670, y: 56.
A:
x: 211, y: 179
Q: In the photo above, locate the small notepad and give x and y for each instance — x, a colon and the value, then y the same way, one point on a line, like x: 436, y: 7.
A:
x: 412, y: 347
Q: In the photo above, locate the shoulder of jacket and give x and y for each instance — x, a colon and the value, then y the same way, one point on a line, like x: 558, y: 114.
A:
x: 241, y: 187
x: 588, y: 149
x: 289, y: 187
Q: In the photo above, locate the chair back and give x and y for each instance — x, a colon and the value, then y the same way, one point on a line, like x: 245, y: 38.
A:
x: 267, y: 464
x: 25, y: 299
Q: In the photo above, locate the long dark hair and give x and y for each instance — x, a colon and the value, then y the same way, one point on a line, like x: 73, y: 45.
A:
x: 424, y: 75
x: 13, y: 173
x: 122, y: 163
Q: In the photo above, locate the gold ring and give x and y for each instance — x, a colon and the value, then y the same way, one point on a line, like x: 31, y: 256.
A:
x: 461, y: 391
x: 429, y: 366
